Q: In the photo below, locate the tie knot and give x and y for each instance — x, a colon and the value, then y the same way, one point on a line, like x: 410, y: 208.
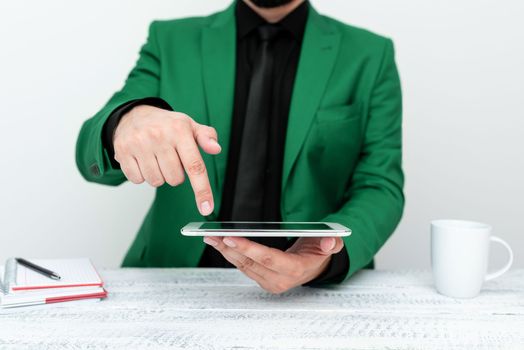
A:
x: 268, y: 32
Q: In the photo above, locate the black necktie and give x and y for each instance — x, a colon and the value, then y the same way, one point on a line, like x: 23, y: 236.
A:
x: 248, y: 204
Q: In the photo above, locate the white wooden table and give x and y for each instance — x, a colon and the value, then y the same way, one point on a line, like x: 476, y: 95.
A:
x: 220, y: 308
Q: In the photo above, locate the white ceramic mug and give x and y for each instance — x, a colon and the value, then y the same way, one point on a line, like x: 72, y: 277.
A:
x: 460, y: 255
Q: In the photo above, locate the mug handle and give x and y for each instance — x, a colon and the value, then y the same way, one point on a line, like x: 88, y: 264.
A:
x: 503, y: 270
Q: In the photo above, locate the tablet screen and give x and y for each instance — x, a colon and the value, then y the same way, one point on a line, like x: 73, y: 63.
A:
x: 250, y: 226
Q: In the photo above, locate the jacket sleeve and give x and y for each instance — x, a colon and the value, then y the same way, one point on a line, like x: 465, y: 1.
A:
x: 92, y: 158
x: 375, y: 198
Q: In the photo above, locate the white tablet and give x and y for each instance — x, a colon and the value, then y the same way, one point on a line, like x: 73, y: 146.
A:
x: 265, y: 229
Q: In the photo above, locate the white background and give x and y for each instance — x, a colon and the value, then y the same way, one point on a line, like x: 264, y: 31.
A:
x: 462, y: 69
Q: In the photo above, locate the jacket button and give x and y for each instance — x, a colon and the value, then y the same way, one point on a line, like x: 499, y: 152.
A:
x: 95, y: 170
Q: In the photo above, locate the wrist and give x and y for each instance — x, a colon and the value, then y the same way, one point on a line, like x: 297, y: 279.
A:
x: 134, y: 115
x: 142, y: 110
x: 324, y: 266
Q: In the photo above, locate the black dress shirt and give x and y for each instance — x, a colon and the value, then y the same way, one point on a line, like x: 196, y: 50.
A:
x: 287, y: 51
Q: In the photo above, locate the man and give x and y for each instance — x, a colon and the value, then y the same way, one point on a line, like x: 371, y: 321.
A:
x: 297, y: 117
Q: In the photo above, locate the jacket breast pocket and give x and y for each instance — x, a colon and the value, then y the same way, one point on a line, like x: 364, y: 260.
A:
x: 333, y: 148
x: 340, y: 127
x: 338, y: 113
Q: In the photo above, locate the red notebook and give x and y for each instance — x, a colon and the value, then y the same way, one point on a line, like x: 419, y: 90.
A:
x: 23, y: 286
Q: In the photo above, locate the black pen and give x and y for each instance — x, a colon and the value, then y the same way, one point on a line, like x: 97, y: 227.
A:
x: 39, y: 269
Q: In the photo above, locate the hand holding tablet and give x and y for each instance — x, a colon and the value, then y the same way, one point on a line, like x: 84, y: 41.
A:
x: 273, y: 269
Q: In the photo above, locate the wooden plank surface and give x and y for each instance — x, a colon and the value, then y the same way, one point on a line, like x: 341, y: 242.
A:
x: 220, y: 309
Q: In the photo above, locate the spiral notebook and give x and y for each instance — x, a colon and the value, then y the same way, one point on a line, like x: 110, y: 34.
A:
x: 22, y: 286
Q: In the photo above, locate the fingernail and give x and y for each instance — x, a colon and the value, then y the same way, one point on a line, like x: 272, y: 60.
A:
x: 332, y: 244
x: 229, y: 242
x: 216, y: 143
x: 205, y: 208
x: 210, y: 241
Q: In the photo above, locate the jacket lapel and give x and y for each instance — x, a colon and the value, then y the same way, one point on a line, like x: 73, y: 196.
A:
x: 218, y: 60
x: 317, y: 57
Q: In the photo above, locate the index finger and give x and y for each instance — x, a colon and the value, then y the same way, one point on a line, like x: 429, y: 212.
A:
x: 271, y: 258
x: 196, y: 171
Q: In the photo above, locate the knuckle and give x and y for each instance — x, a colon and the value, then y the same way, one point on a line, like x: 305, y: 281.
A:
x: 175, y: 180
x: 267, y: 260
x: 201, y: 194
x: 129, y: 175
x: 213, y: 131
x: 246, y: 263
x: 206, y: 131
x: 179, y: 179
x: 137, y: 140
x: 182, y: 116
x: 135, y: 179
x: 154, y: 134
x: 196, y: 167
x: 181, y: 122
x: 171, y: 181
x: 120, y: 146
x: 156, y: 182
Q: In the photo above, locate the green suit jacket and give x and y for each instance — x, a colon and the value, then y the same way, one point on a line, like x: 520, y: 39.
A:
x: 342, y: 160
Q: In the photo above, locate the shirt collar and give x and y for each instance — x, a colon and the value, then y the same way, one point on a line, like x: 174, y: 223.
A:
x: 247, y: 20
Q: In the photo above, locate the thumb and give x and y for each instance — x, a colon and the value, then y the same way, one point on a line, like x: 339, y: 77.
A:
x: 207, y: 138
x: 331, y: 245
